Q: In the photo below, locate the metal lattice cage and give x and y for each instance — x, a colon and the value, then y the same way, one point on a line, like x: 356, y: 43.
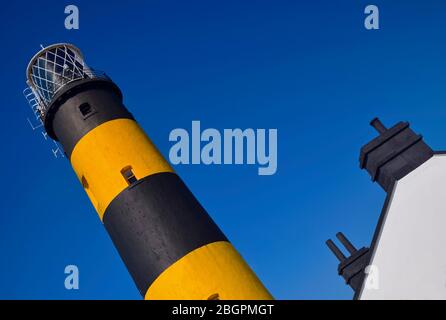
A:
x: 52, y: 68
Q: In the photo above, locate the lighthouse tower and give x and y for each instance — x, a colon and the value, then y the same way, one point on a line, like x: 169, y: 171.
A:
x: 169, y: 244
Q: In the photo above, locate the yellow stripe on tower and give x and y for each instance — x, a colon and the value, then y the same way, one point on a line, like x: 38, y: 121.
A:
x: 102, y: 153
x: 213, y: 271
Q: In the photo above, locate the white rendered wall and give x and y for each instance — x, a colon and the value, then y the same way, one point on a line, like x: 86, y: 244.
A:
x: 409, y: 261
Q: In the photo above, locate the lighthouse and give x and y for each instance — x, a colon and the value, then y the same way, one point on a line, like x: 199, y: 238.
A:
x: 170, y: 245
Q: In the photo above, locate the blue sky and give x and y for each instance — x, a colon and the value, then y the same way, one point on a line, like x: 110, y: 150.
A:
x: 311, y: 70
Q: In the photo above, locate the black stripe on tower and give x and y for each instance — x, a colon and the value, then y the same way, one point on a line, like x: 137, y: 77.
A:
x: 80, y: 107
x: 156, y: 221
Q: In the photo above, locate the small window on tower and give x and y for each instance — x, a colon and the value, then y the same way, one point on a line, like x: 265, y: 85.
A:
x: 128, y: 175
x: 215, y: 296
x: 85, y: 109
x: 90, y: 194
x: 84, y: 183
